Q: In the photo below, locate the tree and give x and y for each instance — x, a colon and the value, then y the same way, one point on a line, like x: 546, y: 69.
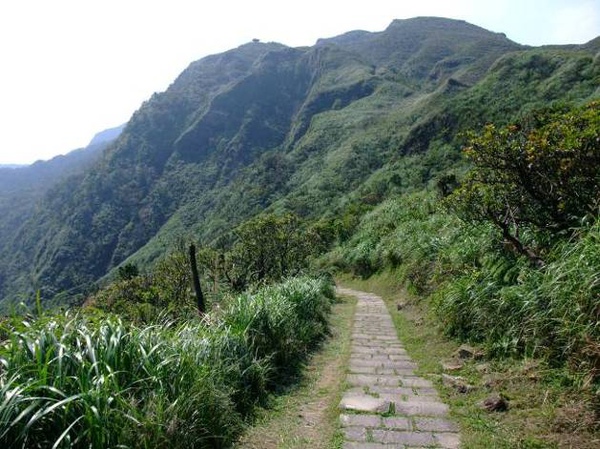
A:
x: 128, y: 271
x: 268, y: 248
x: 541, y: 175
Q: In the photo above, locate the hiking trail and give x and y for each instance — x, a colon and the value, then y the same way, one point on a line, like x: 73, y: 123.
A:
x: 385, y: 404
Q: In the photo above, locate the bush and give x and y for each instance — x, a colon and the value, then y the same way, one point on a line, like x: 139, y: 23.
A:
x: 536, y: 179
x: 147, y: 299
x: 282, y: 323
x: 411, y: 235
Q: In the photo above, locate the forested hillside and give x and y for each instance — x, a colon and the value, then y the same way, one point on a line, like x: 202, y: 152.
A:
x: 23, y: 189
x: 324, y: 132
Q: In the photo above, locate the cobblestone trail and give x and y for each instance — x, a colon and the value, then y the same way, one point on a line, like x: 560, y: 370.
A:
x: 386, y: 405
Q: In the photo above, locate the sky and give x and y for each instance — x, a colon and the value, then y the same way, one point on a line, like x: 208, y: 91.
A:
x: 71, y: 68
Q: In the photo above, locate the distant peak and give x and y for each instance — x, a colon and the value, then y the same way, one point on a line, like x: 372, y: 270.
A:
x: 107, y: 135
x: 430, y: 22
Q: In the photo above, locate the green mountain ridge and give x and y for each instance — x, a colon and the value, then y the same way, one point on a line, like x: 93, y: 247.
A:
x: 312, y: 130
x: 22, y: 188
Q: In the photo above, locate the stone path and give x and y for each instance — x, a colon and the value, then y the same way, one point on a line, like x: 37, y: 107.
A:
x: 386, y: 405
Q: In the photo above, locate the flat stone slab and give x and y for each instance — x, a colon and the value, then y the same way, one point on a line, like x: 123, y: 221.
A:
x: 421, y: 408
x: 363, y: 369
x: 399, y: 391
x: 419, y: 439
x: 447, y: 440
x: 356, y: 445
x: 386, y: 363
x: 415, y: 382
x: 364, y: 403
x: 365, y: 380
x: 347, y: 420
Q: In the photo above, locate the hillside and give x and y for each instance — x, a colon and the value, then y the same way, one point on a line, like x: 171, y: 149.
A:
x: 23, y: 187
x: 319, y: 131
x: 41, y: 175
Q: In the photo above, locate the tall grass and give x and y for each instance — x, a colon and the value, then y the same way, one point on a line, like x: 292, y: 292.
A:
x: 414, y: 237
x: 515, y: 308
x: 481, y: 291
x: 552, y: 312
x: 94, y: 381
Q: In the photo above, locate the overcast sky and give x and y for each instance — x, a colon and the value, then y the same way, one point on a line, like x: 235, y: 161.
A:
x: 71, y: 68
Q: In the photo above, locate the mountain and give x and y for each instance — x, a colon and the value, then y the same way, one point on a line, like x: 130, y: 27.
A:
x: 318, y: 130
x: 23, y: 187
x: 106, y: 136
x: 42, y: 175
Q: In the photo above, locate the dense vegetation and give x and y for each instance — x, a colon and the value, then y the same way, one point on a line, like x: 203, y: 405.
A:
x: 93, y: 380
x: 21, y: 190
x: 261, y: 126
x: 517, y: 269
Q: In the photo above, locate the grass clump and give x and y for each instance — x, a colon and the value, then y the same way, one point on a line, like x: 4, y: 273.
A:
x: 95, y: 381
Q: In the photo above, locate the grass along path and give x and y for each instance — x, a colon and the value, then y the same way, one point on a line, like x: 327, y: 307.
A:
x: 307, y: 416
x: 546, y: 410
x: 92, y: 380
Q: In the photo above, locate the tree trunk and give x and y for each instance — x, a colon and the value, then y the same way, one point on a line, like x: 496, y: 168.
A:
x: 196, y: 281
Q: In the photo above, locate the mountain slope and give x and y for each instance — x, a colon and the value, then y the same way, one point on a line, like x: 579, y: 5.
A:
x: 311, y: 130
x: 23, y: 187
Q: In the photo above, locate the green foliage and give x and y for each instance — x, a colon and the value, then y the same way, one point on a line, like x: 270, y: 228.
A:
x: 266, y: 127
x: 542, y: 178
x: 414, y: 237
x: 128, y: 271
x: 93, y: 381
x: 517, y: 309
x: 541, y: 175
x: 282, y: 322
x: 163, y: 294
x: 261, y: 251
x: 267, y: 249
x: 482, y: 289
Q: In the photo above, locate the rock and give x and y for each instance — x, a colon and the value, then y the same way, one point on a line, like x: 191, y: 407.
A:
x: 465, y: 388
x: 469, y: 352
x: 458, y: 383
x: 453, y: 365
x: 483, y: 368
x: 450, y: 381
x: 365, y: 403
x: 495, y: 403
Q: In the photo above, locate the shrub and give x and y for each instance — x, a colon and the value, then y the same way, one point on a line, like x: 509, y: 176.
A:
x: 537, y: 177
